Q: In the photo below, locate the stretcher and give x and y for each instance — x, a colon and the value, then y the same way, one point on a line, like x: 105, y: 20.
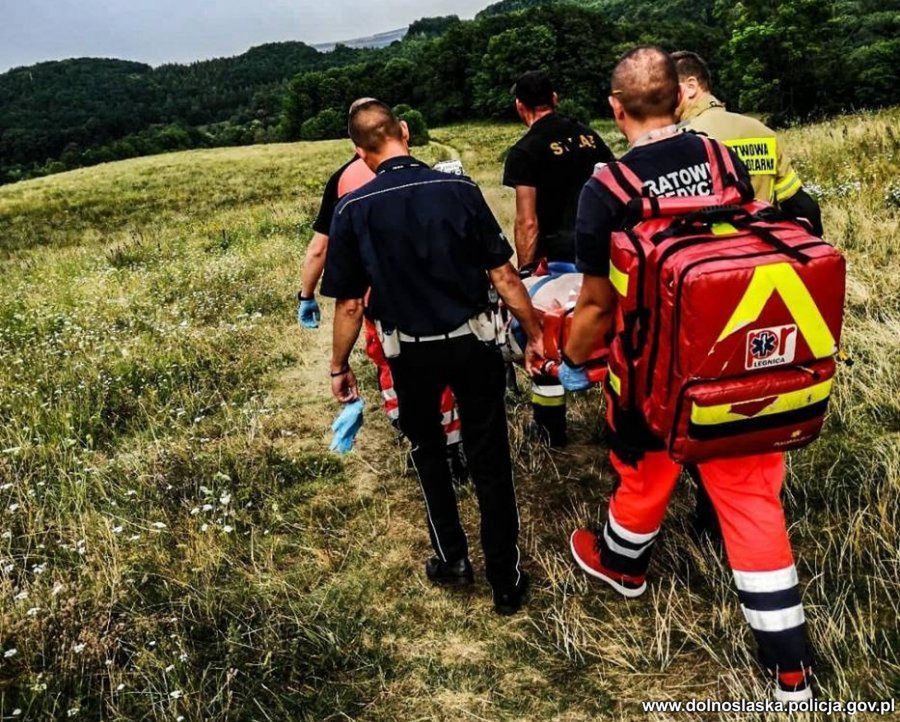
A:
x: 554, y: 290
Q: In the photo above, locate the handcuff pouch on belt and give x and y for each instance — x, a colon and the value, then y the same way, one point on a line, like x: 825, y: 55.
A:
x: 390, y: 340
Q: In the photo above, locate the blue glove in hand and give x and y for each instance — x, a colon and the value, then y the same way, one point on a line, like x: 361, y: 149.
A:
x: 346, y: 426
x: 573, y: 378
x: 308, y: 313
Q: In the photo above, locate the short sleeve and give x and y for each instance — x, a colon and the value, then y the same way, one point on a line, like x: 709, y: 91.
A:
x: 519, y: 169
x: 602, y: 153
x: 787, y: 182
x: 330, y: 199
x: 598, y: 215
x: 345, y: 276
x: 494, y: 248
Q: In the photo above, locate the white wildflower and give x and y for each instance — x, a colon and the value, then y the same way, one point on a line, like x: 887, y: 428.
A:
x: 158, y: 525
x: 79, y: 648
x: 117, y: 530
x: 33, y: 612
x: 176, y: 694
x: 228, y: 529
x: 120, y: 687
x: 224, y: 499
x: 10, y: 653
x: 170, y: 668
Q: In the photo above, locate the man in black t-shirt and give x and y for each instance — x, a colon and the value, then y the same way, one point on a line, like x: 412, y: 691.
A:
x: 547, y: 167
x: 350, y: 176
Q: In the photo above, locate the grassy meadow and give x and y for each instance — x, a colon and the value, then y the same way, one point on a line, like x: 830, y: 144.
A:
x: 176, y: 542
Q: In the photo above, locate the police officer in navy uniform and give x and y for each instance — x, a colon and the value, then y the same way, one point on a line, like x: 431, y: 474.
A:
x: 548, y: 166
x: 427, y: 245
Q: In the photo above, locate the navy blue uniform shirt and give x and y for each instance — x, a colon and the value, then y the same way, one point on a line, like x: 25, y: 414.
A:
x: 422, y: 240
x: 676, y: 166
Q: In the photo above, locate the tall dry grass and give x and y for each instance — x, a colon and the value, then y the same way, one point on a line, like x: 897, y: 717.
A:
x: 176, y: 543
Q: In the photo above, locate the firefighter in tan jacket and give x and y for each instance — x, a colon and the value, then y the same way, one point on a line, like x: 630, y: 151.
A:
x: 758, y: 146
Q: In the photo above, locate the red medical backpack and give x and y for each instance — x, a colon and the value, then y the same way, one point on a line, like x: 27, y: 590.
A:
x: 728, y: 319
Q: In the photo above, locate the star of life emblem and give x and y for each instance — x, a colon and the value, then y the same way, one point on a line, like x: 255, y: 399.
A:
x: 773, y: 346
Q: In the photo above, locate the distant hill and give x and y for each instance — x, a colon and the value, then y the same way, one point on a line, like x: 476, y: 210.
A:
x: 87, y: 110
x: 379, y: 40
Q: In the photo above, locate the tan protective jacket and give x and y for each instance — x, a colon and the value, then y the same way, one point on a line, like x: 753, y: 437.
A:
x: 774, y: 180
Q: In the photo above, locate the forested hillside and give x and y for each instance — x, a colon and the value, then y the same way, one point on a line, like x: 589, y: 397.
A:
x: 788, y: 60
x: 65, y: 114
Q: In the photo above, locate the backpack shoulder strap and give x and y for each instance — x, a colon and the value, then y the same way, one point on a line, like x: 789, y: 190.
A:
x: 620, y: 180
x: 721, y: 165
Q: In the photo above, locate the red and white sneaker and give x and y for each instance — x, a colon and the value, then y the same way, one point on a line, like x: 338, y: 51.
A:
x: 794, y: 686
x: 585, y: 549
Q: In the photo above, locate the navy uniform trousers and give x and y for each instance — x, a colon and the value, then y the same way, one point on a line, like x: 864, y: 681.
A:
x: 475, y: 372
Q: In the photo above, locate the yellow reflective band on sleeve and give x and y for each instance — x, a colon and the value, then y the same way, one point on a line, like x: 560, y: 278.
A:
x: 539, y: 400
x: 782, y: 278
x: 759, y: 154
x: 619, y: 280
x: 787, y: 186
x: 790, y: 401
x: 723, y: 229
x: 615, y: 383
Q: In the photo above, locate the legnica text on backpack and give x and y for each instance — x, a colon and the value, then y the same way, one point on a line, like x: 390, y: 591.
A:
x: 728, y: 321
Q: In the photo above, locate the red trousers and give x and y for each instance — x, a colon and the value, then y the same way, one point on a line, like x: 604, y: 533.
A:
x: 450, y: 414
x: 745, y: 493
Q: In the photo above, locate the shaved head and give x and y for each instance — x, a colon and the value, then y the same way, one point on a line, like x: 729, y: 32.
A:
x: 372, y: 124
x: 646, y: 83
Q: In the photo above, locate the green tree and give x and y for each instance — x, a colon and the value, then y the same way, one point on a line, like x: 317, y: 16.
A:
x: 509, y: 54
x: 778, y: 55
x: 574, y: 110
x: 418, y: 128
x: 328, y: 124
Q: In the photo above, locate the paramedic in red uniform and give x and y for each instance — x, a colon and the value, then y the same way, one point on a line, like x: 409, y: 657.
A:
x: 350, y: 176
x: 744, y: 491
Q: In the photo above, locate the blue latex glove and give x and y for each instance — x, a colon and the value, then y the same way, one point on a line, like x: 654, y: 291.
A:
x: 308, y: 313
x: 573, y: 378
x: 346, y: 426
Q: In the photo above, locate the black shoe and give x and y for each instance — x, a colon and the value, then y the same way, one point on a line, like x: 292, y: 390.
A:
x: 550, y: 425
x: 450, y: 574
x: 509, y: 600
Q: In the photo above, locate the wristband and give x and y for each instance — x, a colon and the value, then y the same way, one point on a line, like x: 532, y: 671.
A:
x: 345, y: 370
x: 301, y: 297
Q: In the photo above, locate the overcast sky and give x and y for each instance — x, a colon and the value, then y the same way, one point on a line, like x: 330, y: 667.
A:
x: 159, y: 31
